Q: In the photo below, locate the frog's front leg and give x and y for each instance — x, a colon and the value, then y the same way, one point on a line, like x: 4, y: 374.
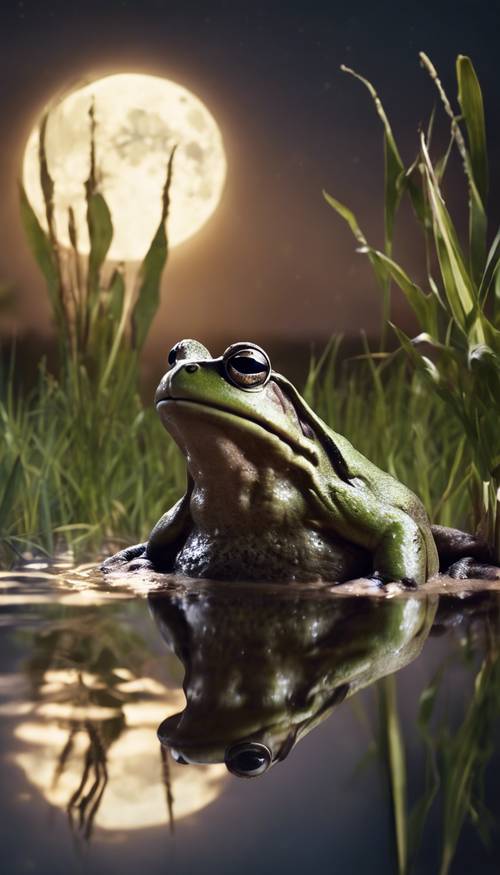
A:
x: 401, y: 553
x: 129, y: 559
x: 395, y: 540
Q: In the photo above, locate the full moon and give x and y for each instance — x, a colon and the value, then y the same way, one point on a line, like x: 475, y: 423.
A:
x: 139, y: 119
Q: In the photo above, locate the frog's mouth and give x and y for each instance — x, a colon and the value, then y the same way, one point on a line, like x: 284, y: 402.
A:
x: 300, y: 448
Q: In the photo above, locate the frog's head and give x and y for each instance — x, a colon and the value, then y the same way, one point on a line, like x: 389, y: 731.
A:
x: 240, y: 396
x: 248, y: 740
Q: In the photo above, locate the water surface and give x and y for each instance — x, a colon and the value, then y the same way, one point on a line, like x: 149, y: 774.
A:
x: 380, y: 714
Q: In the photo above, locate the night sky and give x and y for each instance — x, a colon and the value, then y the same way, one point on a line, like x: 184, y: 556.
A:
x: 274, y: 261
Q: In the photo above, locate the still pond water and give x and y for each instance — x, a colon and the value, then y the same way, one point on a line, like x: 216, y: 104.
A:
x: 374, y: 722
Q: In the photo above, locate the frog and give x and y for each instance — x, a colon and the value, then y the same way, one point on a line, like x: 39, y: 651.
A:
x: 257, y: 684
x: 273, y: 493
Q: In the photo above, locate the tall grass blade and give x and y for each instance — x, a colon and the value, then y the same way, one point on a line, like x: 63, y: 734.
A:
x: 151, y: 270
x: 393, y: 747
x: 9, y: 493
x: 470, y: 99
x: 42, y: 250
x: 394, y: 176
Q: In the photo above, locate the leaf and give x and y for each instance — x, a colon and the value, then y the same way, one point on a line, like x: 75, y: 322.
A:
x: 149, y: 288
x: 478, y: 226
x: 458, y: 284
x: 477, y: 216
x: 392, y: 149
x: 116, y: 296
x: 394, y: 182
x: 41, y: 248
x: 351, y: 220
x: 348, y: 216
x: 100, y: 234
x: 394, y: 176
x: 470, y: 99
x: 425, y: 306
x: 151, y: 270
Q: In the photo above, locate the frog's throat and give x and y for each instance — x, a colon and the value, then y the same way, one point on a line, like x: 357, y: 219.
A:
x: 297, y: 447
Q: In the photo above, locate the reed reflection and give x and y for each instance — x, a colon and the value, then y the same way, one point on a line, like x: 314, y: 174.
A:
x: 88, y: 724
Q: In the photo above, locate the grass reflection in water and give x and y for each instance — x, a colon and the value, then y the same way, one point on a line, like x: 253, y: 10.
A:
x: 89, y: 737
x: 260, y: 660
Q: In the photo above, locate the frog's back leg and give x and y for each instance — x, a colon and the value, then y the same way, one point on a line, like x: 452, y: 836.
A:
x: 121, y: 561
x: 462, y: 555
x: 397, y: 542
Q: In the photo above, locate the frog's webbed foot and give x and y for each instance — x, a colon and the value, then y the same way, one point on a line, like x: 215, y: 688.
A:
x: 383, y: 580
x: 469, y: 568
x: 130, y: 559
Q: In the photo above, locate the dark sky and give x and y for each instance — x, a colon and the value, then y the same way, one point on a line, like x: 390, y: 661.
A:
x: 274, y: 261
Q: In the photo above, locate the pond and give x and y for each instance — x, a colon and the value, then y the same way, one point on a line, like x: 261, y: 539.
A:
x: 368, y: 725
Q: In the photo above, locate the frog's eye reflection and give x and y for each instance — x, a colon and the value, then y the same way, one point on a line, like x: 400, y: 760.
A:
x: 172, y: 356
x: 248, y: 368
x: 248, y: 759
x: 177, y: 757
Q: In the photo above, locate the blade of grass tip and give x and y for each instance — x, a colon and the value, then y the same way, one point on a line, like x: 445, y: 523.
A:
x: 316, y: 365
x: 151, y: 270
x: 471, y: 103
x: 364, y: 247
x: 477, y: 216
x: 394, y: 175
x: 424, y: 306
x: 100, y: 228
x: 46, y: 181
x: 42, y: 250
x: 458, y: 284
x: 382, y: 115
x: 48, y: 189
x: 470, y: 99
x: 456, y: 132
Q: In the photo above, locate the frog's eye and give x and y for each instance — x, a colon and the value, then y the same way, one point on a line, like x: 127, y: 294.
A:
x: 248, y: 759
x: 177, y: 757
x: 248, y: 367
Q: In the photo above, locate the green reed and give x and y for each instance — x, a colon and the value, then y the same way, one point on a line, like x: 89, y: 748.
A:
x: 457, y: 350
x: 81, y: 460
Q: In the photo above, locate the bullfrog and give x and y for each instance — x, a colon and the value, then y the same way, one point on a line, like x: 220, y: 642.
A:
x: 288, y: 657
x: 272, y: 492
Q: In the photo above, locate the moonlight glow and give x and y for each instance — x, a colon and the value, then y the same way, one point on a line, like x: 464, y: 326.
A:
x: 138, y: 121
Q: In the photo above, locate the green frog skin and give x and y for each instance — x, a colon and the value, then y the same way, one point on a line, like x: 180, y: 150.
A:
x: 257, y: 683
x: 272, y: 492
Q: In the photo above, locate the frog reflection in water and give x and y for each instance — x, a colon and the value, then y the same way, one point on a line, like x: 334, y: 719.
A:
x: 273, y: 493
x: 257, y: 684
